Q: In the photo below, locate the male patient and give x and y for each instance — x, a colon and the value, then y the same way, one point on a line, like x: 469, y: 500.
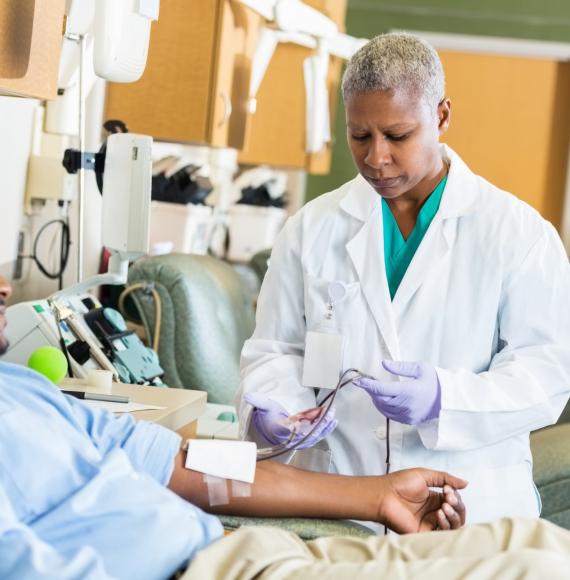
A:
x: 86, y: 495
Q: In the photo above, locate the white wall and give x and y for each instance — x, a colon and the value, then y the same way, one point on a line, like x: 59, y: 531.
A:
x: 16, y: 124
x: 16, y: 116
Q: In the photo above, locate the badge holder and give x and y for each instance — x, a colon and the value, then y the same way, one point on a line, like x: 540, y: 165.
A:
x: 323, y: 348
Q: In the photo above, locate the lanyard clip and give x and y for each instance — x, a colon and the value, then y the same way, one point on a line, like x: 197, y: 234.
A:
x: 337, y: 293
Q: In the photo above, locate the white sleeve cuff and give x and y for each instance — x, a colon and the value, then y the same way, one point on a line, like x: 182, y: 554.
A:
x: 429, y: 433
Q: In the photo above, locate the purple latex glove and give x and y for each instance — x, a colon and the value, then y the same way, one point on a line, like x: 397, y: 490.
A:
x: 413, y: 401
x: 273, y: 422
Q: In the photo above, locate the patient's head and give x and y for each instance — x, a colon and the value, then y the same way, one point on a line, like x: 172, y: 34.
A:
x: 5, y: 291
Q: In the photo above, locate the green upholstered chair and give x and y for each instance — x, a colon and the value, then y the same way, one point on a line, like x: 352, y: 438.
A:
x: 207, y: 314
x: 259, y: 263
x: 305, y: 528
x: 551, y: 454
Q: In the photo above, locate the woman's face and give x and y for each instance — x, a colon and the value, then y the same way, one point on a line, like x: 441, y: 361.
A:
x: 394, y: 140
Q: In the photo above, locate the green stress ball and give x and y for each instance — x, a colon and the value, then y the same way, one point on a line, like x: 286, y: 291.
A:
x: 50, y: 362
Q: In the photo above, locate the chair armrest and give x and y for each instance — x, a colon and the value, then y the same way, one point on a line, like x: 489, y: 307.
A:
x: 551, y: 453
x: 305, y: 528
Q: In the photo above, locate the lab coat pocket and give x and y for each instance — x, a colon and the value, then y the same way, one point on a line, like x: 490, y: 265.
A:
x: 500, y: 492
x: 321, y: 294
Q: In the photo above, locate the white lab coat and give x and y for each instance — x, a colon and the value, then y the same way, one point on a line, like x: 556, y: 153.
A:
x: 485, y: 300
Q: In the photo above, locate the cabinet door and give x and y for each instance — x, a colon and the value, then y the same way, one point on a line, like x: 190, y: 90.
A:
x: 187, y: 90
x: 237, y: 36
x: 172, y: 99
x: 278, y: 126
x: 31, y: 34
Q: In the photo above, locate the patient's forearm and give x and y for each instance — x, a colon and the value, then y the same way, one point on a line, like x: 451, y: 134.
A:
x: 282, y: 491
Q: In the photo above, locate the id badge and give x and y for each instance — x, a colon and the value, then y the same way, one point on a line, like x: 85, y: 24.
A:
x: 323, y: 359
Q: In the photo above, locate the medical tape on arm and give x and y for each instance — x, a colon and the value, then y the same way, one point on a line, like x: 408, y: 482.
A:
x: 241, y: 488
x: 221, y: 461
x: 217, y: 490
x: 218, y: 493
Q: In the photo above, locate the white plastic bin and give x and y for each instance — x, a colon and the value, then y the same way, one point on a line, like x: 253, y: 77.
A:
x: 252, y: 229
x: 179, y: 228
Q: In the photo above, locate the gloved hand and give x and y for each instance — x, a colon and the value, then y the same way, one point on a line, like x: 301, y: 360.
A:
x: 274, y: 424
x: 413, y: 401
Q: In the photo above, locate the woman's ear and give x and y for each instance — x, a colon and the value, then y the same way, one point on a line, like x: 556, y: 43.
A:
x: 443, y: 115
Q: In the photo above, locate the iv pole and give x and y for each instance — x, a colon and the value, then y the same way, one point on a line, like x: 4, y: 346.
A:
x: 81, y: 191
x: 80, y: 39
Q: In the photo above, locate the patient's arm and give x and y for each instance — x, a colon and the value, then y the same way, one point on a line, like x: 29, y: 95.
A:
x: 401, y: 500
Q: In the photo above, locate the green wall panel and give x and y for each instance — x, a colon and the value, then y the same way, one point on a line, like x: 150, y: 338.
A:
x: 528, y: 19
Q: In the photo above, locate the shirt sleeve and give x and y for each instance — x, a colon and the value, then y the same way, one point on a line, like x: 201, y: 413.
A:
x: 24, y: 555
x: 528, y: 381
x: 150, y: 447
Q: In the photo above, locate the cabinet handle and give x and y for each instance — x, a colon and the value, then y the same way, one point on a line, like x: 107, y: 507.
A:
x: 227, y: 108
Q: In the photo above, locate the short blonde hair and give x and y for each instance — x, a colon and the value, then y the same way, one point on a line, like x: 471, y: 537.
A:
x: 393, y: 61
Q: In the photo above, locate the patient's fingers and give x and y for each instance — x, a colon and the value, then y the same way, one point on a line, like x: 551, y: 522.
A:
x: 449, y: 512
x: 452, y: 516
x: 430, y: 522
x: 441, y: 479
x: 453, y: 498
x: 442, y: 521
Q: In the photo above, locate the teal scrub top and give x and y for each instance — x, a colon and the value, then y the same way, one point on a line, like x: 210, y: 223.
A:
x: 398, y: 252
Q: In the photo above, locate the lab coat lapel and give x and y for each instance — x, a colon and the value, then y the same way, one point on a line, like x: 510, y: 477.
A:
x: 366, y: 248
x: 427, y: 261
x: 459, y: 199
x: 366, y: 251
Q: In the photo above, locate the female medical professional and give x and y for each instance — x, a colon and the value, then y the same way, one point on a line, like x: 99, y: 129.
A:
x: 452, y: 293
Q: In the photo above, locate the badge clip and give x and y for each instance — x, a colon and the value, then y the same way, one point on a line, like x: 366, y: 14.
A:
x: 337, y: 293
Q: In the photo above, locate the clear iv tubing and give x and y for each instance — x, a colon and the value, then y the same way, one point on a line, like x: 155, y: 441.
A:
x: 271, y: 452
x: 365, y: 376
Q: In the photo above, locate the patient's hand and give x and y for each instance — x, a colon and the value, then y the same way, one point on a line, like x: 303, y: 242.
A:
x: 408, y: 504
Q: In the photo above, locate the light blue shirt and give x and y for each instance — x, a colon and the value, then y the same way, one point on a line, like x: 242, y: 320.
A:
x: 82, y: 492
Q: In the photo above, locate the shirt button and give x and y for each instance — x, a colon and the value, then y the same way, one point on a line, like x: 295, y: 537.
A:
x: 381, y: 432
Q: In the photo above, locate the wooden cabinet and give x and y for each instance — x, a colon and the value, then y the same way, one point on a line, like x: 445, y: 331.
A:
x: 31, y: 34
x: 515, y: 137
x: 279, y: 126
x: 197, y: 50
x: 196, y: 85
